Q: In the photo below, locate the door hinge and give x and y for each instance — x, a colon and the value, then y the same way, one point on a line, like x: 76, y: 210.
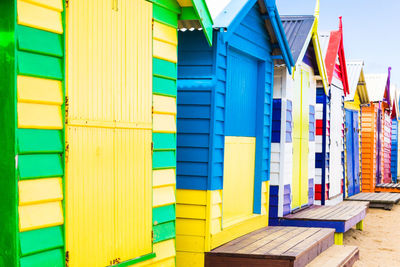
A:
x: 66, y: 104
x: 67, y: 258
x: 66, y: 151
x: 66, y: 3
x: 152, y: 237
x: 115, y: 5
x: 152, y: 147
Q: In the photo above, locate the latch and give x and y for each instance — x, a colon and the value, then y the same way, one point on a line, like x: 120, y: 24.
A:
x: 67, y: 258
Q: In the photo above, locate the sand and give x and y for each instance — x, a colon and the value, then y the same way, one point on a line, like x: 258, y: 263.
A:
x: 379, y: 243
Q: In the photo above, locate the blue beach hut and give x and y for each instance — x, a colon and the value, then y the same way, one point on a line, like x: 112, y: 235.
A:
x: 224, y: 126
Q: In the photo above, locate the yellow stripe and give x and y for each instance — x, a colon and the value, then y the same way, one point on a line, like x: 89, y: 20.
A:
x: 40, y: 216
x: 165, y: 33
x: 40, y: 190
x: 191, y: 211
x: 39, y: 17
x: 195, y: 197
x: 163, y: 123
x: 190, y: 227
x: 165, y: 51
x: 164, y: 104
x: 39, y: 116
x: 38, y: 90
x: 163, y: 196
x: 163, y: 177
x: 185, y: 3
x: 192, y: 259
x: 190, y: 243
x: 51, y: 4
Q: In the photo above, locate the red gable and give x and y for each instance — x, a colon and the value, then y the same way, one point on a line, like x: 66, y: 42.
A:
x: 336, y: 49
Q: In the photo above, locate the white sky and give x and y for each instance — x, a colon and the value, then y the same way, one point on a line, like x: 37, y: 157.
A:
x: 216, y: 6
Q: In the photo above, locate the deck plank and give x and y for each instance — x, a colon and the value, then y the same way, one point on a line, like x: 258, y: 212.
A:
x: 286, y: 246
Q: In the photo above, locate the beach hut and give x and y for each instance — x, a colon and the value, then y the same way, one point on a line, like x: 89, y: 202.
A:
x: 375, y: 132
x: 394, y: 93
x: 224, y: 127
x: 357, y: 97
x: 293, y: 126
x: 329, y: 155
x: 88, y: 142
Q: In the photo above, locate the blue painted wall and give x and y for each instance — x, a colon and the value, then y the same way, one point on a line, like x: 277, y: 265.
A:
x: 202, y: 118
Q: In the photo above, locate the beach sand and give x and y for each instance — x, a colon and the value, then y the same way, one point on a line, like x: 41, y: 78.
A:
x: 379, y: 243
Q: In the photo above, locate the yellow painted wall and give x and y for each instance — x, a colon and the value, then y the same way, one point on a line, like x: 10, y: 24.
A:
x: 199, y: 224
x: 238, y: 193
x: 109, y: 89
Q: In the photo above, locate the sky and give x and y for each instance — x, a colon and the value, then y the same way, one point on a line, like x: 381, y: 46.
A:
x: 371, y: 28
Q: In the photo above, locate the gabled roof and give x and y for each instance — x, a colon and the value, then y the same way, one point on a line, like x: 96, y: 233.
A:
x: 231, y: 16
x: 335, y: 49
x: 355, y: 72
x: 376, y: 86
x: 298, y: 32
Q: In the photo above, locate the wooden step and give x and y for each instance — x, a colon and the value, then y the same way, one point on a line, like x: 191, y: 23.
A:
x: 337, y: 256
x: 273, y: 247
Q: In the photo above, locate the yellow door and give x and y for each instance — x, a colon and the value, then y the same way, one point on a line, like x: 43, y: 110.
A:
x: 108, y: 133
x: 237, y: 197
x: 305, y: 119
x: 300, y: 138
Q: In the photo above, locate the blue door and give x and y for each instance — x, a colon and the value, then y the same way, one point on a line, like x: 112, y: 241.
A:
x: 352, y: 153
x: 356, y: 154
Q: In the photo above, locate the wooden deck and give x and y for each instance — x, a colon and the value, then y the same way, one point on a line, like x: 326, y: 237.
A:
x: 394, y: 188
x: 341, y: 217
x: 377, y: 200
x: 273, y: 246
x: 337, y: 256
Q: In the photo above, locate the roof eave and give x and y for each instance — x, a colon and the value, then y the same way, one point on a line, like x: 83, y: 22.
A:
x: 276, y: 23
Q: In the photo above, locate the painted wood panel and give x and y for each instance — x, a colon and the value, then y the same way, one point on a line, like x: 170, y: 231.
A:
x: 238, y: 178
x: 109, y: 132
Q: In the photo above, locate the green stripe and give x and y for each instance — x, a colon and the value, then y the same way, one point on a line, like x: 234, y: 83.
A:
x: 41, y: 240
x: 164, y: 159
x: 165, y: 16
x: 52, y: 258
x: 168, y: 4
x: 136, y: 260
x: 165, y: 69
x: 163, y: 231
x: 164, y: 86
x: 163, y: 214
x: 42, y: 141
x: 164, y: 141
x: 40, y: 166
x: 34, y: 40
x: 39, y: 65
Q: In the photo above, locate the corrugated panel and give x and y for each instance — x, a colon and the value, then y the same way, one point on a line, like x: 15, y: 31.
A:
x: 354, y: 69
x: 109, y: 132
x: 298, y: 32
x: 324, y: 38
x: 376, y: 84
